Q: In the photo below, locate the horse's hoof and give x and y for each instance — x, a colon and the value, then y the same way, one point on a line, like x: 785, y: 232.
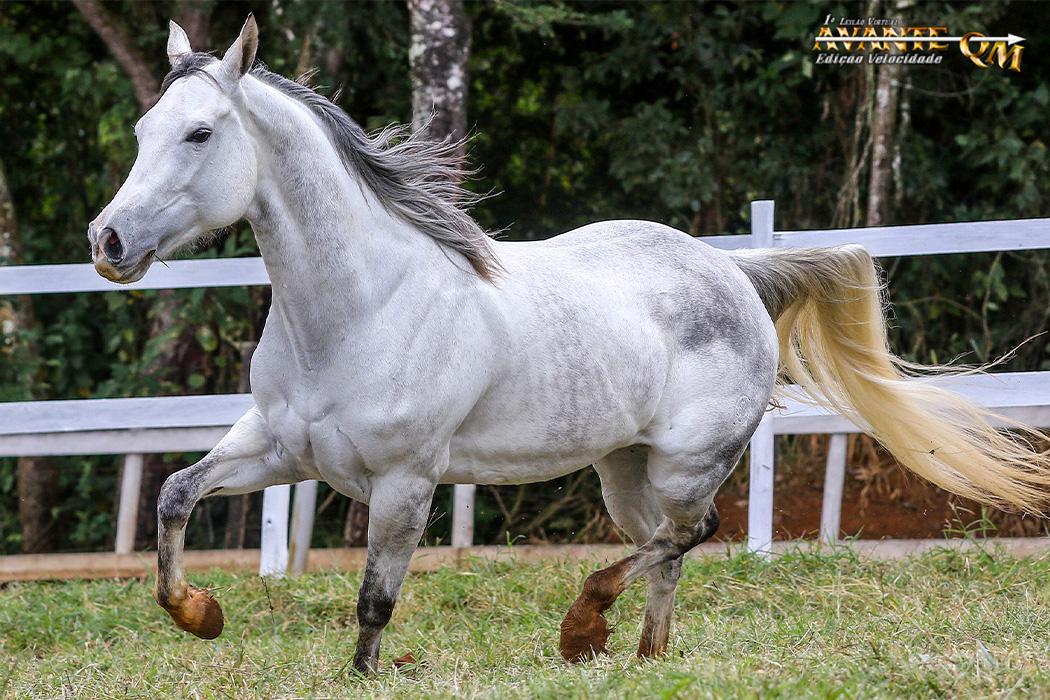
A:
x: 366, y: 667
x: 583, y: 635
x: 198, y: 613
x: 584, y: 630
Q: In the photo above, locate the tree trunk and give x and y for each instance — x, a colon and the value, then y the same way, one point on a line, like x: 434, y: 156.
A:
x: 355, y: 531
x: 35, y: 477
x: 883, y: 126
x: 903, y: 128
x: 194, y: 16
x: 118, y: 39
x: 167, y: 366
x: 438, y: 56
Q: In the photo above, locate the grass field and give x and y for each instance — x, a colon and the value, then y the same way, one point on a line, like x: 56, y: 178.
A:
x: 941, y: 625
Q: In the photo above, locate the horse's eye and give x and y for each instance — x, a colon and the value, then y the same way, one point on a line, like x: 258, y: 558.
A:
x: 199, y: 136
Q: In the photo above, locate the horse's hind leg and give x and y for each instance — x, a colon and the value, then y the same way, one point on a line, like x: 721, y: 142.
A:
x: 629, y: 499
x: 659, y: 608
x: 684, y: 487
x: 632, y: 505
x: 245, y: 460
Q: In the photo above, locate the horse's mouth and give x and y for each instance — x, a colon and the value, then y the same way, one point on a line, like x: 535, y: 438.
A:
x: 123, y: 274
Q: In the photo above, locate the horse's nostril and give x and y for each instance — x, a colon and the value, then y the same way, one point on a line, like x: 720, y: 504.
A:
x: 111, y: 245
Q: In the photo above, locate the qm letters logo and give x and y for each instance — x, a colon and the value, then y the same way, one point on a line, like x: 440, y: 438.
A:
x: 847, y: 40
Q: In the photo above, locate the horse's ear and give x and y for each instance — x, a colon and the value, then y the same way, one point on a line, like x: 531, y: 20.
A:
x: 241, y: 54
x: 178, y: 43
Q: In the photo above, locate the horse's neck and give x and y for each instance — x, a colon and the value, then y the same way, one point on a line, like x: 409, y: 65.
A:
x: 332, y: 251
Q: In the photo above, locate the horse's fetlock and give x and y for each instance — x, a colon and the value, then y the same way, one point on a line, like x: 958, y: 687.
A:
x: 163, y: 598
x: 602, y: 587
x: 170, y: 597
x: 374, y: 611
x: 366, y: 664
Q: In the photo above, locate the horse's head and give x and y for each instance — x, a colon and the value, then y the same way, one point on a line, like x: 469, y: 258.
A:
x: 196, y: 166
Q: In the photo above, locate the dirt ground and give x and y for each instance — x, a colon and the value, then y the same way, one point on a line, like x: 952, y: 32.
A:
x: 880, y: 501
x: 796, y: 513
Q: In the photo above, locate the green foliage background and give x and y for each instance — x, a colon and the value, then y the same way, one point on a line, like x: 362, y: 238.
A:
x: 680, y: 112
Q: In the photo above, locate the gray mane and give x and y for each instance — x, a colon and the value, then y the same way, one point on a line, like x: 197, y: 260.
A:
x: 411, y: 176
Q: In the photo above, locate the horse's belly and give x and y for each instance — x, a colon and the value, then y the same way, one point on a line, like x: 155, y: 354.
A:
x: 505, y: 444
x: 505, y: 467
x: 579, y: 387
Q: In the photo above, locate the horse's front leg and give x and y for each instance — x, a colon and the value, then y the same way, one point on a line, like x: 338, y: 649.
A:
x: 246, y: 459
x: 397, y: 514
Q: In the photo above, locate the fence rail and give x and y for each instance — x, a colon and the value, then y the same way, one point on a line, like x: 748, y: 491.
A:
x: 134, y: 426
x: 179, y: 274
x: 35, y: 567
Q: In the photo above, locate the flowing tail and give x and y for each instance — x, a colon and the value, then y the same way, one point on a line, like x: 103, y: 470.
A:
x: 828, y: 307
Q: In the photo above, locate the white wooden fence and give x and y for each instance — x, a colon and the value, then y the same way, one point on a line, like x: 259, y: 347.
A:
x: 134, y: 426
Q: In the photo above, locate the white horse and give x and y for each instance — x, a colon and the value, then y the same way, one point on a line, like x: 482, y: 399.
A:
x: 405, y: 349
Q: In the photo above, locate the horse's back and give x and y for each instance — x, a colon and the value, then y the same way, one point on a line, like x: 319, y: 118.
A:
x: 605, y: 250
x: 687, y: 288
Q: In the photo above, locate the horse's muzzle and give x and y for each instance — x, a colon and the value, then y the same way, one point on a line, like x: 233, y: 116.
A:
x: 123, y: 273
x: 105, y: 268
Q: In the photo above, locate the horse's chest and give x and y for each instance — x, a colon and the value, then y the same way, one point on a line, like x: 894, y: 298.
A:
x: 319, y: 439
x: 300, y: 408
x: 337, y: 424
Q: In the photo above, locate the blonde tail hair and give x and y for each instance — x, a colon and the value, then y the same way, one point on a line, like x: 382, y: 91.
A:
x: 828, y: 308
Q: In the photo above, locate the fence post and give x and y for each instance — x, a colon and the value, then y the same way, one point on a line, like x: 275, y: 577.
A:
x: 760, y: 491
x: 273, y: 545
x: 834, y: 479
x: 463, y: 515
x: 128, y: 510
x: 302, y: 525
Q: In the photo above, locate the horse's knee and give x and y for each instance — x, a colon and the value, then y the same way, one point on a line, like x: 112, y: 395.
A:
x: 177, y: 498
